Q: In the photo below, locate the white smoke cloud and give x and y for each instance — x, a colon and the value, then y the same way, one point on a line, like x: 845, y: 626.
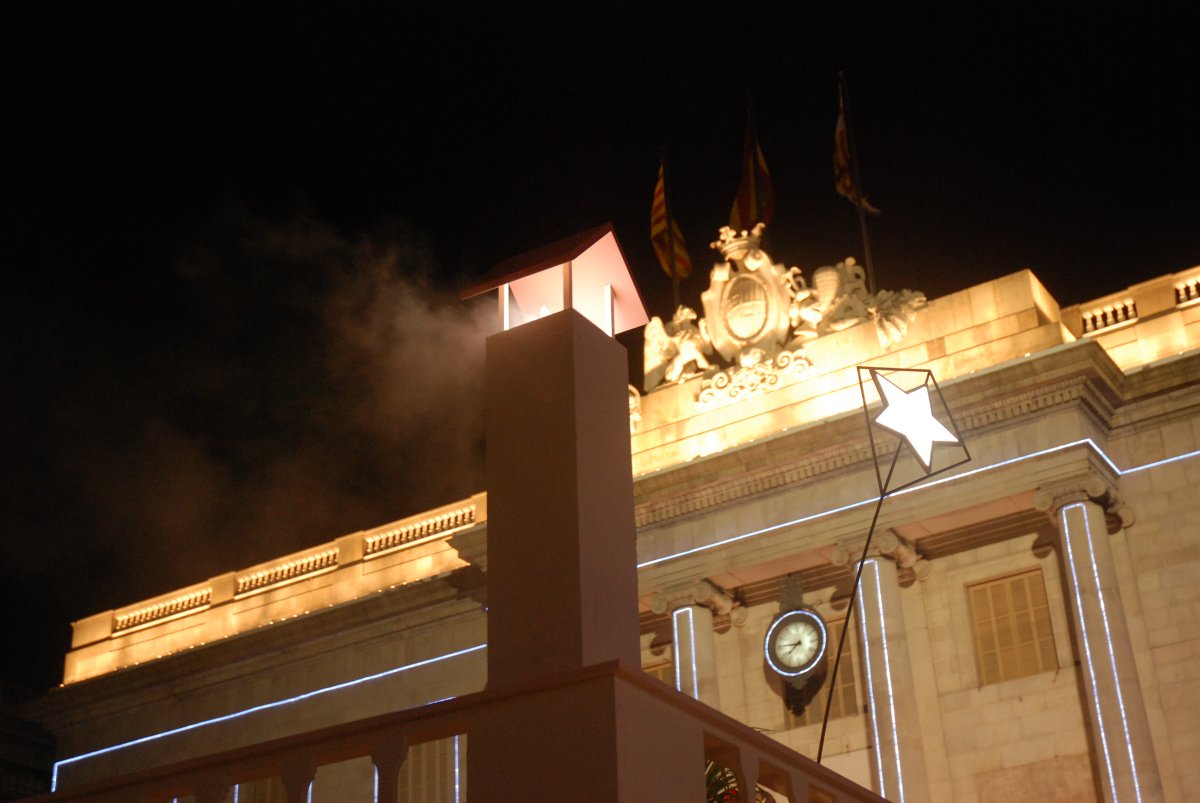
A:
x: 280, y: 385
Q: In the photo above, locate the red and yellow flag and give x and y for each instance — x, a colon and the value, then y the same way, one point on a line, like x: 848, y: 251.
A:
x: 665, y: 234
x: 842, y: 176
x: 755, y: 201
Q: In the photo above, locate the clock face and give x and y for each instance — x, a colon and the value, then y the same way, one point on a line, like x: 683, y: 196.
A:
x: 795, y: 643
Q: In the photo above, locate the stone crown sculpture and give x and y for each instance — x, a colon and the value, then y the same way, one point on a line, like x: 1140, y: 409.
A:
x: 758, y: 316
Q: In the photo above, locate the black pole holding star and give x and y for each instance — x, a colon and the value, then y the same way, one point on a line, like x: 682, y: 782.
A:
x: 908, y: 414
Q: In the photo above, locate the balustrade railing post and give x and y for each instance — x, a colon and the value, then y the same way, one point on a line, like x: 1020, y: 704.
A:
x: 297, y: 777
x: 388, y: 758
x: 776, y: 779
x: 747, y: 775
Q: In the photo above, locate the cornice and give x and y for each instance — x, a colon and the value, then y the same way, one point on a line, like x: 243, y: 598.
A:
x: 1080, y: 376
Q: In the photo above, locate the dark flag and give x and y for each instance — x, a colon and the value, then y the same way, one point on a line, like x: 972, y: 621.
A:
x: 665, y: 234
x: 755, y: 201
x: 843, y: 178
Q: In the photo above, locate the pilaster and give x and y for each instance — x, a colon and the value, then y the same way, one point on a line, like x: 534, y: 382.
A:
x: 692, y: 607
x: 891, y: 693
x: 1120, y: 728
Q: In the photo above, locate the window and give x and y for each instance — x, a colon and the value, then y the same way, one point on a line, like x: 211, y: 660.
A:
x: 806, y: 705
x: 1013, y: 637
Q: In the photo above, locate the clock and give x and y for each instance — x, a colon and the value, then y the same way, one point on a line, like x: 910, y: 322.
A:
x: 795, y: 643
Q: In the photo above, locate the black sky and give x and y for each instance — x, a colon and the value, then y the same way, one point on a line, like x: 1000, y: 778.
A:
x: 234, y: 233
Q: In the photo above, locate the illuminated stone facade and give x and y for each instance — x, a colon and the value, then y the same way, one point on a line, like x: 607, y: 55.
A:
x: 1074, y: 528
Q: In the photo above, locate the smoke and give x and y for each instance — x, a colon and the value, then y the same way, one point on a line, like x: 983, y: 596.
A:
x: 275, y: 386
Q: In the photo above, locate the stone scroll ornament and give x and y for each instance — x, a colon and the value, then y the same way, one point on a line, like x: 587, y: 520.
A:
x: 758, y: 315
x: 912, y: 419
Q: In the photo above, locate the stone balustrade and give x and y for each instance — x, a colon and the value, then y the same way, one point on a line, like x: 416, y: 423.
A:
x: 221, y: 606
x: 1150, y: 321
x: 1120, y: 311
x: 697, y: 732
x: 1139, y: 302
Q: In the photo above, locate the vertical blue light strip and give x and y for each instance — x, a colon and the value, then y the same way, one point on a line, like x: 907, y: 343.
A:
x: 1087, y: 648
x: 691, y: 649
x: 1112, y: 658
x: 872, y: 708
x: 887, y: 673
x: 678, y: 655
x: 456, y: 770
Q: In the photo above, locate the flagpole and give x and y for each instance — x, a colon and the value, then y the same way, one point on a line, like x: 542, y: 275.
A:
x: 858, y: 187
x: 755, y: 187
x: 670, y: 233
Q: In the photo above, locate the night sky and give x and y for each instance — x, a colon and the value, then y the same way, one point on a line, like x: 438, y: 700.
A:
x: 234, y: 240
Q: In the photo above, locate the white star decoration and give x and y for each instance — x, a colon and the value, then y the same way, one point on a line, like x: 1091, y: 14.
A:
x: 908, y: 414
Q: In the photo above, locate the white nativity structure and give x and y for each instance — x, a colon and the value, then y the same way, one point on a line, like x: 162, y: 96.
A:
x: 1028, y: 624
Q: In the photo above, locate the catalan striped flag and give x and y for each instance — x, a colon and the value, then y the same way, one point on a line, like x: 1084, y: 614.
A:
x: 755, y: 201
x: 665, y: 234
x: 843, y: 176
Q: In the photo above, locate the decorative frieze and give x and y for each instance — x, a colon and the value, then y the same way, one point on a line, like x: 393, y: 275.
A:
x: 756, y: 374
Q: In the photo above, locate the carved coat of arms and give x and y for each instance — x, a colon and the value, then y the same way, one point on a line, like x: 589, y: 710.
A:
x: 759, y: 314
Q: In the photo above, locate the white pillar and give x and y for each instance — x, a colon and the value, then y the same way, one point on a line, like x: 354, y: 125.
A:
x: 1120, y: 728
x: 695, y: 653
x: 692, y: 607
x: 891, y: 695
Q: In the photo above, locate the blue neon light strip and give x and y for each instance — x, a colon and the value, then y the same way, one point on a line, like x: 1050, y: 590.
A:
x: 691, y: 649
x: 1087, y: 649
x: 456, y: 770
x: 1087, y: 530
x: 887, y: 673
x: 265, y: 706
x: 872, y: 709
x: 714, y: 545
x: 932, y: 483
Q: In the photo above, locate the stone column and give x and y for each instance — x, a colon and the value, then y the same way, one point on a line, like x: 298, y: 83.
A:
x: 1120, y: 728
x: 891, y: 695
x: 695, y: 653
x: 692, y: 607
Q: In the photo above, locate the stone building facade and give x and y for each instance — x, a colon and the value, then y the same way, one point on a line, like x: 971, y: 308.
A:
x: 1028, y: 623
